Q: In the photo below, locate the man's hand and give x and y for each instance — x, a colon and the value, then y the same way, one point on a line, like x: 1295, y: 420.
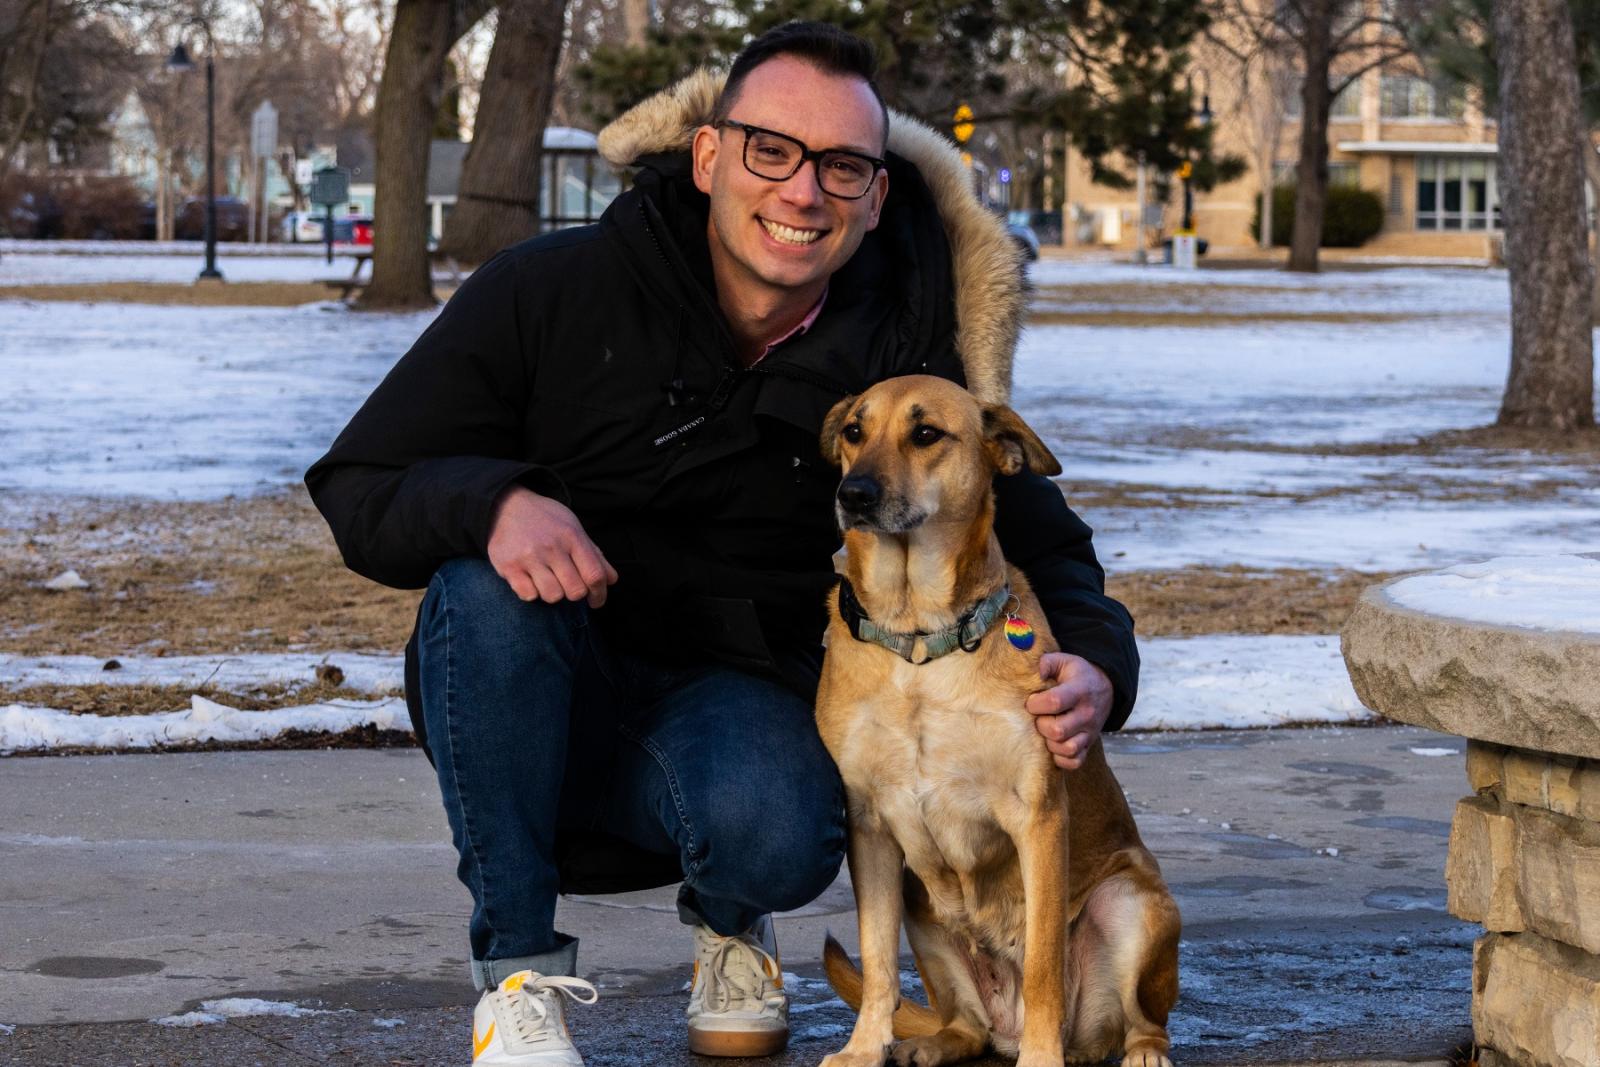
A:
x: 539, y: 547
x: 1073, y: 711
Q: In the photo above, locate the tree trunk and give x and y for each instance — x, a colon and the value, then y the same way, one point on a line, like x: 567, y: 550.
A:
x: 1265, y: 241
x: 43, y: 19
x: 1591, y: 166
x: 408, y: 101
x: 1311, y: 176
x: 1551, y: 383
x: 498, y: 200
x: 635, y: 22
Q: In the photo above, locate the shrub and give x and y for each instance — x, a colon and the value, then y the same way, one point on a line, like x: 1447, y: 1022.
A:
x: 1352, y: 217
x: 102, y: 209
x: 46, y: 205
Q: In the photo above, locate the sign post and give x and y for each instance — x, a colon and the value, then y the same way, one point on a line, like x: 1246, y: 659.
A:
x: 330, y: 186
x: 1185, y: 246
x: 263, y: 146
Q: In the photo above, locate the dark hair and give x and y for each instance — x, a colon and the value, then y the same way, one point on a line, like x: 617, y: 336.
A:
x: 822, y: 44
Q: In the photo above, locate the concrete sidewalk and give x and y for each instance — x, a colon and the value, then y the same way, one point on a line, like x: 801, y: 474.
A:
x: 1308, y: 864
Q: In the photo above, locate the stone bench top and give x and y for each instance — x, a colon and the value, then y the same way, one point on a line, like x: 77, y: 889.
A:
x: 1505, y: 651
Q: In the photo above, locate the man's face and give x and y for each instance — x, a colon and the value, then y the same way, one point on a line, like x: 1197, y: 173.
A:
x: 788, y: 235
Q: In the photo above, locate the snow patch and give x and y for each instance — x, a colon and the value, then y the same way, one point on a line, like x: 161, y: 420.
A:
x: 364, y: 671
x: 1542, y: 592
x: 65, y: 581
x: 216, y: 1011
x: 1435, y: 752
x: 27, y: 728
x: 1241, y: 682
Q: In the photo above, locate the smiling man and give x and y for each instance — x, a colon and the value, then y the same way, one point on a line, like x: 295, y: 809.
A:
x: 602, y: 462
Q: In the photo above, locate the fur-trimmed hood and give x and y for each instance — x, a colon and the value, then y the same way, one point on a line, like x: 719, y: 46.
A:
x: 989, y: 297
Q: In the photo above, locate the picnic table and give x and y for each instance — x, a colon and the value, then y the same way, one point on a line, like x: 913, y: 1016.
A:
x: 359, y: 276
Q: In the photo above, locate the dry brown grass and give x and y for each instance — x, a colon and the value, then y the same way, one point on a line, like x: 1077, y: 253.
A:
x: 255, y: 575
x: 1202, y: 317
x: 147, y: 699
x: 1578, y: 444
x: 231, y: 294
x: 1209, y: 600
x: 1128, y: 294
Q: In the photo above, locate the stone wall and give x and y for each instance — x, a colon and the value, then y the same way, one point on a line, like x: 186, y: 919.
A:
x: 1524, y: 858
x: 1525, y: 863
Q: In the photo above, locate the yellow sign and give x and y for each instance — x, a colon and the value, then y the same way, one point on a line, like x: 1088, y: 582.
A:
x: 963, y: 126
x: 1186, y: 170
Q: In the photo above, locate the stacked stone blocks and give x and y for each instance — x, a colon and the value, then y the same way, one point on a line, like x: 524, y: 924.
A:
x: 1524, y: 857
x: 1525, y: 863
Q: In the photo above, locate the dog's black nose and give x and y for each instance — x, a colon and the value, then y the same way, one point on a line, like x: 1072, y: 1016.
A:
x: 859, y: 493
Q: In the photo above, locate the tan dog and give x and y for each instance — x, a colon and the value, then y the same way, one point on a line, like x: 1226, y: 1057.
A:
x: 1023, y: 886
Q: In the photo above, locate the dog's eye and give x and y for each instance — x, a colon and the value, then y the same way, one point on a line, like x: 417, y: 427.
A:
x: 924, y: 436
x: 852, y: 433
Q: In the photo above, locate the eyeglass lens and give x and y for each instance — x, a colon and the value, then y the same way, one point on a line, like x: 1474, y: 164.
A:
x: 771, y: 156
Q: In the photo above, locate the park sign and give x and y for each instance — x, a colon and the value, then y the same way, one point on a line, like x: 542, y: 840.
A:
x: 264, y: 131
x: 330, y: 186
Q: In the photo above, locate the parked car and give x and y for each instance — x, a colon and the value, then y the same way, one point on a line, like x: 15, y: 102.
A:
x: 233, y: 219
x: 1027, y: 242
x: 301, y: 226
x: 353, y: 230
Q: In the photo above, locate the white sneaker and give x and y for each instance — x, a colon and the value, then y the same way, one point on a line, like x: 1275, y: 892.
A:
x: 521, y: 1022
x: 737, y: 1006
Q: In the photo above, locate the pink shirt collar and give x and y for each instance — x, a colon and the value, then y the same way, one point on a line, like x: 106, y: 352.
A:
x: 800, y: 327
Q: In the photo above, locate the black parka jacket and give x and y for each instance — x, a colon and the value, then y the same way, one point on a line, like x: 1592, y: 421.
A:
x: 594, y: 366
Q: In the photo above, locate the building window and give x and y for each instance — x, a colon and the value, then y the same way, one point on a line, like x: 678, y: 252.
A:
x: 1345, y: 173
x: 1345, y: 105
x: 1457, y: 194
x: 1406, y: 97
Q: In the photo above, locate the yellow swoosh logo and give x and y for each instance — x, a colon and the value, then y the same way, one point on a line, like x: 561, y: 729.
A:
x: 477, y: 1045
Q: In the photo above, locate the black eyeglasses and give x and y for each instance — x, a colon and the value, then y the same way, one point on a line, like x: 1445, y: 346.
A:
x: 778, y: 157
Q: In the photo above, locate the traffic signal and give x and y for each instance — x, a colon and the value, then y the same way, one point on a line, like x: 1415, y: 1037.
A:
x: 963, y: 125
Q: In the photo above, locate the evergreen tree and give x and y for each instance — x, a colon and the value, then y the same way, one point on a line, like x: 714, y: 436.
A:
x: 1123, y: 91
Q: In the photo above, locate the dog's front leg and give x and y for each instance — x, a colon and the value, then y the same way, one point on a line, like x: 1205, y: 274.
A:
x: 1042, y: 850
x: 876, y: 861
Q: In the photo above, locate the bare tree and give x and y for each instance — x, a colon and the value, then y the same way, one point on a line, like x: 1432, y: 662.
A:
x: 635, y: 22
x: 1334, y: 43
x: 408, y: 102
x: 59, y: 61
x: 1267, y: 80
x: 1551, y: 383
x: 498, y: 200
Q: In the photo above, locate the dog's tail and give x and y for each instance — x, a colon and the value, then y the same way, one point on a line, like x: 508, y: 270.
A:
x: 910, y: 1020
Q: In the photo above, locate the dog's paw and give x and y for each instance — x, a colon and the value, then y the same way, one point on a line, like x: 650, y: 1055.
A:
x: 1146, y: 1058
x: 847, y: 1058
x: 933, y: 1050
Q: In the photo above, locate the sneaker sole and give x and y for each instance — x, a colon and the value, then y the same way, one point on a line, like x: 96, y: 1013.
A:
x: 738, y: 1042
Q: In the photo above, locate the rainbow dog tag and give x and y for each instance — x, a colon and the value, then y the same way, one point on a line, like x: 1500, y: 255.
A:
x: 1019, y: 632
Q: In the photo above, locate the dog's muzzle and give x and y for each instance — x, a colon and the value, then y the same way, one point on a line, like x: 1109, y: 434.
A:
x: 859, y: 496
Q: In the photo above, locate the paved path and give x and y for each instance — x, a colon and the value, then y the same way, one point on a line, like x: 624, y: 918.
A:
x: 1308, y: 864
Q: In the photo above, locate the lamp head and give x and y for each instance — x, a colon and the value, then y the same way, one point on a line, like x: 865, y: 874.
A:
x: 179, y: 62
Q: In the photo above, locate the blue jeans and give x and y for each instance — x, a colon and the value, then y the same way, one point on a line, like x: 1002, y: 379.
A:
x: 537, y: 728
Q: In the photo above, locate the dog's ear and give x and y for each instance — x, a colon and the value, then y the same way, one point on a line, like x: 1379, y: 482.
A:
x: 1013, y: 445
x: 837, y: 416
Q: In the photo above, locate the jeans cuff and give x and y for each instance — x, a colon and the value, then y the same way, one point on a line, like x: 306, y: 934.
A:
x: 563, y: 959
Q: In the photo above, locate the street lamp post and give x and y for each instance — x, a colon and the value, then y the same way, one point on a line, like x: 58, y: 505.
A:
x: 179, y: 63
x: 1185, y: 244
x: 1203, y: 117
